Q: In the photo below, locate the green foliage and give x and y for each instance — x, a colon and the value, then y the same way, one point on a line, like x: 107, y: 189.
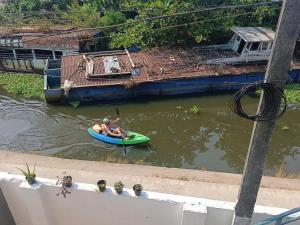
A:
x: 195, y: 109
x: 292, y: 93
x: 111, y: 18
x: 137, y: 188
x: 185, y: 29
x: 119, y: 187
x: 25, y: 85
x: 101, y: 185
x: 195, y: 28
x: 29, y: 175
x: 35, y: 5
x: 82, y: 16
x: 65, y: 183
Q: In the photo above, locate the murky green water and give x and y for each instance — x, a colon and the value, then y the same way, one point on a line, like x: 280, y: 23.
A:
x: 215, y: 139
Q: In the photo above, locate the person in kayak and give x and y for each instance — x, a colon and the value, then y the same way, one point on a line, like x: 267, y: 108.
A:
x: 106, y: 129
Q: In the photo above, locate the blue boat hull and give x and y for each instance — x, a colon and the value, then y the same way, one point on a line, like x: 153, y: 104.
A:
x: 196, y: 85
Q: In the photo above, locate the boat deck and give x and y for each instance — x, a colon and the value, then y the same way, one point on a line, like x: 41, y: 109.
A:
x: 153, y: 65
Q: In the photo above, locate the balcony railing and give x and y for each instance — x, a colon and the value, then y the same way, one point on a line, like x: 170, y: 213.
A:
x: 283, y: 218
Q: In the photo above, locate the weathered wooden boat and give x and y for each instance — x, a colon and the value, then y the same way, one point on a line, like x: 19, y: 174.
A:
x: 119, y: 75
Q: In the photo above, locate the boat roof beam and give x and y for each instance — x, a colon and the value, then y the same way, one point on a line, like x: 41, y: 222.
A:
x: 254, y: 34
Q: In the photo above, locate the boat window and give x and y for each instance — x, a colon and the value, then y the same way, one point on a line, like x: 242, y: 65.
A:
x: 43, y: 54
x: 270, y: 45
x: 58, y: 54
x: 2, y: 42
x: 248, y: 45
x: 24, y: 53
x: 233, y: 37
x: 264, y: 46
x: 254, y: 46
x: 6, y: 53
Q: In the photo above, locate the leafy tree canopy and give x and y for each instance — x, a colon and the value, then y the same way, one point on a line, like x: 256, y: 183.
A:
x: 185, y: 29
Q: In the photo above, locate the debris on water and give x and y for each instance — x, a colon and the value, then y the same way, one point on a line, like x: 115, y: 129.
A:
x: 179, y: 107
x: 75, y: 104
x: 285, y: 128
x: 195, y: 109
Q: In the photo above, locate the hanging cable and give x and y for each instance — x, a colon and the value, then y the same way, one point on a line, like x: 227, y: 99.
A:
x: 273, y: 96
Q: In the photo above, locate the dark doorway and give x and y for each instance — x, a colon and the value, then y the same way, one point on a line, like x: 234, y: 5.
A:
x: 241, y: 47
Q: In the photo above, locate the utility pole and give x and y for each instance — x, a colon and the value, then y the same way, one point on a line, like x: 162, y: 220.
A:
x: 288, y: 29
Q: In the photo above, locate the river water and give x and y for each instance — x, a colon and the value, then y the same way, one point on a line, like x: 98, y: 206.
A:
x: 215, y: 139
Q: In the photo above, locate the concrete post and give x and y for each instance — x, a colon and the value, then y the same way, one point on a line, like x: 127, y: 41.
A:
x: 287, y: 33
x: 15, y: 54
x: 33, y: 54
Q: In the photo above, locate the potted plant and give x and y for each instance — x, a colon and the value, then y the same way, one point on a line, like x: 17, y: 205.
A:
x: 137, y: 189
x: 101, y: 185
x: 119, y: 187
x: 29, y: 175
x: 65, y: 182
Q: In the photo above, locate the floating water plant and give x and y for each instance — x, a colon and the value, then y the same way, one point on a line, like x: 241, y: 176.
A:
x: 29, y: 175
x: 195, y: 109
x: 25, y: 85
x: 291, y: 91
x: 75, y: 104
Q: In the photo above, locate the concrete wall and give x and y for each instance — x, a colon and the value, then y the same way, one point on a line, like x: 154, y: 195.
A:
x: 39, y: 205
x: 5, y: 214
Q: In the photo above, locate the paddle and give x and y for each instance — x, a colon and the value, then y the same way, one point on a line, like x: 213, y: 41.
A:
x: 118, y: 114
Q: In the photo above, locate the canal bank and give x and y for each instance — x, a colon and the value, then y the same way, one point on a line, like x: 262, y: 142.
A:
x: 274, y: 192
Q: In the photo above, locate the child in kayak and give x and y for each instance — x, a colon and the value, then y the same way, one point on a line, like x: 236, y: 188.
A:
x: 106, y: 129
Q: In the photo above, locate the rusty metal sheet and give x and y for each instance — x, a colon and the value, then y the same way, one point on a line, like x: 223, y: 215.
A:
x: 153, y: 65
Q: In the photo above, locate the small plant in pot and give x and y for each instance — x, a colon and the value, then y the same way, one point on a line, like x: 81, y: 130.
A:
x: 138, y: 188
x: 65, y: 182
x: 29, y: 175
x: 101, y: 185
x: 119, y: 187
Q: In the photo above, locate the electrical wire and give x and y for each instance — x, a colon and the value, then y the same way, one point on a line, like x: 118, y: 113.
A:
x: 231, y: 7
x: 159, y: 28
x: 273, y: 96
x: 45, y: 12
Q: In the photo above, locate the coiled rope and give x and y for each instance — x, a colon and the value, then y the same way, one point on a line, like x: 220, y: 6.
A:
x: 273, y: 96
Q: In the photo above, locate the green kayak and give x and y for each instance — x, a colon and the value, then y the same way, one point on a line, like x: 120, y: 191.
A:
x: 134, y: 138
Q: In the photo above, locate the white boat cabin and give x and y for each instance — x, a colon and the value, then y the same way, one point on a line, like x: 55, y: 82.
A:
x: 250, y: 44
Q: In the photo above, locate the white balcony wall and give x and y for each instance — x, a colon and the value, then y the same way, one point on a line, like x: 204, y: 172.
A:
x: 39, y: 205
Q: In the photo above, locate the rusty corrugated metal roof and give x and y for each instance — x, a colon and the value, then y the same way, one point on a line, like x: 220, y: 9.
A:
x: 155, y: 64
x: 33, y: 38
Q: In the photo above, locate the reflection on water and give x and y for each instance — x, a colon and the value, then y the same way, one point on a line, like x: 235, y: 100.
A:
x: 215, y: 139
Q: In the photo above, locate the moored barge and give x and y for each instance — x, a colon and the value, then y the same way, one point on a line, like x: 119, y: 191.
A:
x: 116, y: 75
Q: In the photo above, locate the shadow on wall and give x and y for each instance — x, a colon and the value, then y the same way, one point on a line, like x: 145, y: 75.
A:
x: 5, y: 214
